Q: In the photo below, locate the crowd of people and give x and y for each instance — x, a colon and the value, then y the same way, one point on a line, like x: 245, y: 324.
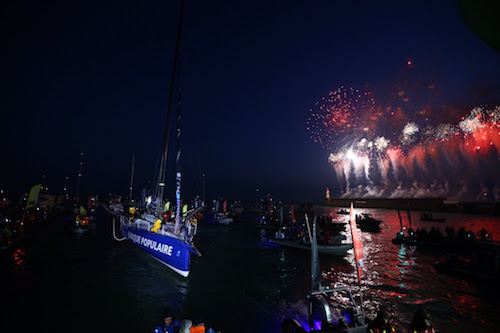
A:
x: 420, y: 323
x: 170, y: 324
x: 435, y: 234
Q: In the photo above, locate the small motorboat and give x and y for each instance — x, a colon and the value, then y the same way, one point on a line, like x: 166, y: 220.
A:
x: 480, y: 266
x: 339, y: 249
x: 428, y: 217
x: 82, y: 221
x: 366, y: 222
x: 326, y: 304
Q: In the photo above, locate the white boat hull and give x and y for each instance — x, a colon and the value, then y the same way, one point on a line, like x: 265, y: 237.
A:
x: 334, y: 249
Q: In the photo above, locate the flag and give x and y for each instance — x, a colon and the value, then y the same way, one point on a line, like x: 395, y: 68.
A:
x: 358, y: 246
x: 82, y: 211
x: 33, y: 196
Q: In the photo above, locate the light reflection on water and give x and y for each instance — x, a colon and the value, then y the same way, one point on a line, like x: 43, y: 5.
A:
x: 403, y: 277
x: 241, y: 278
x: 19, y: 258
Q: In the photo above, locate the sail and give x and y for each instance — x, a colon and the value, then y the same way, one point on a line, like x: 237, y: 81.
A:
x: 82, y: 211
x: 358, y: 246
x: 33, y: 196
x: 315, y: 270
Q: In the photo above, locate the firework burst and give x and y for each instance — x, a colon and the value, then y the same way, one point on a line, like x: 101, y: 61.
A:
x: 333, y: 117
x: 377, y: 150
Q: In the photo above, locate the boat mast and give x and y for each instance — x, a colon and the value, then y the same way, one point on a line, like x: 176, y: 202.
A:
x: 203, y: 189
x: 131, y: 179
x: 400, y: 220
x: 78, y: 182
x: 163, y: 164
x: 178, y: 155
x: 315, y: 270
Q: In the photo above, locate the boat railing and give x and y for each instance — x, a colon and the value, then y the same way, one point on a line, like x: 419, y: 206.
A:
x: 334, y: 290
x: 141, y: 224
x: 168, y: 228
x: 358, y: 314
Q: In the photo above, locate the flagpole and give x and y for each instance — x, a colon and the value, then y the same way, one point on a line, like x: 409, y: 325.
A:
x: 358, y: 253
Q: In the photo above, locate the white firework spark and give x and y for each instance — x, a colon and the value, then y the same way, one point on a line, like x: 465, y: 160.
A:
x: 381, y: 143
x: 410, y: 129
x: 408, y: 133
x: 474, y: 122
x: 445, y: 131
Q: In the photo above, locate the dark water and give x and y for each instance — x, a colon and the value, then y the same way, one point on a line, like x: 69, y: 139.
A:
x: 58, y: 280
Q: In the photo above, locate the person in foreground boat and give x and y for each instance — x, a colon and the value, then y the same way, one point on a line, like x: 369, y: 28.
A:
x: 291, y: 326
x: 171, y: 325
x: 321, y: 313
x: 421, y: 322
x: 381, y: 323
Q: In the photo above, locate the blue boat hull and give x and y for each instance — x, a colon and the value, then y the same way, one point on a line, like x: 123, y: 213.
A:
x: 168, y: 250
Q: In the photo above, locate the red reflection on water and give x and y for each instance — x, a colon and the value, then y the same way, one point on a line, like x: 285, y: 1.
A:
x: 464, y: 299
x: 393, y: 293
x: 404, y: 278
x: 19, y: 258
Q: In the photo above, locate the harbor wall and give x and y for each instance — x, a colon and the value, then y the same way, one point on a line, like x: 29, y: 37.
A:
x: 420, y: 204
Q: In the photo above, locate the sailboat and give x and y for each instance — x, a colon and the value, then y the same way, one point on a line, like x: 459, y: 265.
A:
x: 171, y: 243
x: 82, y: 221
x: 217, y: 215
x: 427, y: 216
x: 321, y: 311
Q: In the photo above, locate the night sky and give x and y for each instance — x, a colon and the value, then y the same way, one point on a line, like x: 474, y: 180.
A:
x: 94, y: 78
